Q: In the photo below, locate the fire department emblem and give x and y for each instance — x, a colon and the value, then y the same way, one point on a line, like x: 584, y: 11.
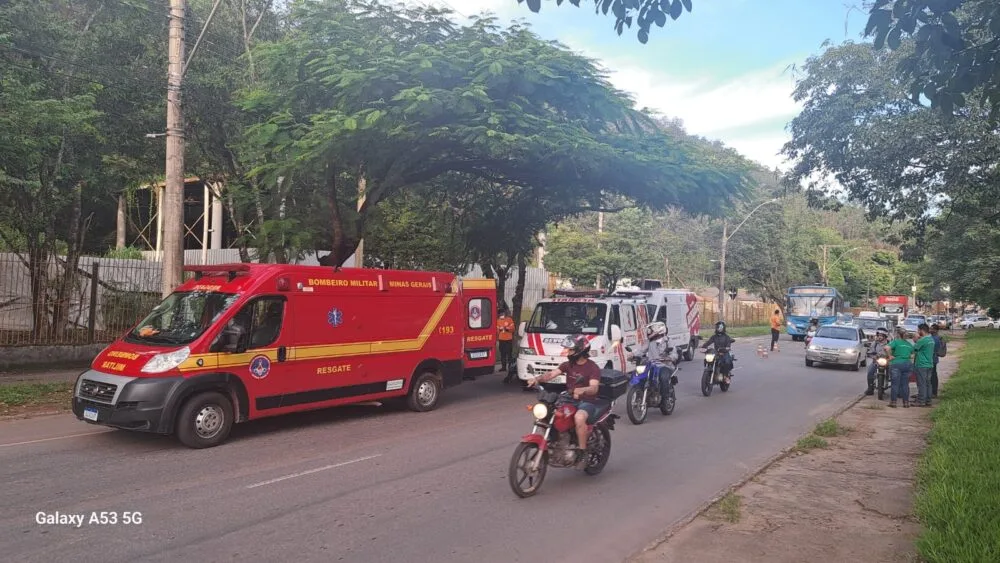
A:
x: 475, y: 313
x: 335, y: 318
x: 260, y: 366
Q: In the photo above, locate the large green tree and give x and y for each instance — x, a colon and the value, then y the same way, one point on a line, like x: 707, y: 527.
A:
x: 956, y: 46
x: 361, y: 96
x: 642, y: 13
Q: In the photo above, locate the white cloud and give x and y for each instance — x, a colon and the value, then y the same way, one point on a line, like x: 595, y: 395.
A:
x: 717, y: 110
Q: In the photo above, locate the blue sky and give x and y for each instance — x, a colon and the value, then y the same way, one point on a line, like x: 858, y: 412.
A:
x: 725, y: 68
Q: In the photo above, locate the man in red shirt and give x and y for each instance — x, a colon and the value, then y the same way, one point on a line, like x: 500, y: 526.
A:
x: 583, y: 380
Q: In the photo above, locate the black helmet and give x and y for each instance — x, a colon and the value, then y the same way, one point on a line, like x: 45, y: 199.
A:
x: 720, y: 327
x: 575, y: 346
x: 881, y: 331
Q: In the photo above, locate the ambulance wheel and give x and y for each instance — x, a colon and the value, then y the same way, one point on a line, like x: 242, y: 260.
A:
x: 689, y: 353
x: 205, y: 420
x: 424, y: 392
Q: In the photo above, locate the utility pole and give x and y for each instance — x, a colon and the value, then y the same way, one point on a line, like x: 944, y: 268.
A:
x: 666, y: 269
x: 600, y: 230
x: 722, y: 270
x: 173, y: 198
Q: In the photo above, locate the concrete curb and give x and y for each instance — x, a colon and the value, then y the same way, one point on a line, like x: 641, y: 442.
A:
x: 24, y: 416
x: 691, y: 516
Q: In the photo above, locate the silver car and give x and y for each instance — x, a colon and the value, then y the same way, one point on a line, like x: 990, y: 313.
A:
x: 838, y: 344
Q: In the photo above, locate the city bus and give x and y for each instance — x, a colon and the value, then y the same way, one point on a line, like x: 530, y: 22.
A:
x: 807, y: 302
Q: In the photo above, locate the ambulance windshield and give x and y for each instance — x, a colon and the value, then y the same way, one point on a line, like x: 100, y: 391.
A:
x: 568, y: 318
x: 181, y: 318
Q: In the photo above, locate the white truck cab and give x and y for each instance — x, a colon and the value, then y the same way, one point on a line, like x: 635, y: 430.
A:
x: 612, y: 324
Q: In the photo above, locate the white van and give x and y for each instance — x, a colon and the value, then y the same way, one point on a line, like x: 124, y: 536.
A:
x: 678, y: 309
x: 612, y: 324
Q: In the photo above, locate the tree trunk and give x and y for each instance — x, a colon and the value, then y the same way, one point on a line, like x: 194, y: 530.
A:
x: 341, y: 247
x: 38, y: 272
x: 240, y: 227
x: 67, y: 282
x: 522, y: 276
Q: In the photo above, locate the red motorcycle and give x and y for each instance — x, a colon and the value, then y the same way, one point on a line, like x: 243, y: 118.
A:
x: 553, y: 438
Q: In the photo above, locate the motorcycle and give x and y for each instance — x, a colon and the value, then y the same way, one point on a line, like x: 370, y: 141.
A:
x: 882, y: 381
x: 713, y: 371
x: 553, y: 441
x: 649, y: 387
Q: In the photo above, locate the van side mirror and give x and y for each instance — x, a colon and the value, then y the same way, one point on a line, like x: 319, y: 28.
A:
x: 233, y: 339
x: 616, y: 333
x: 520, y: 329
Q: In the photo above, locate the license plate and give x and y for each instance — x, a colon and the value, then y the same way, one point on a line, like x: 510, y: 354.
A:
x: 479, y: 355
x: 90, y: 413
x: 830, y: 357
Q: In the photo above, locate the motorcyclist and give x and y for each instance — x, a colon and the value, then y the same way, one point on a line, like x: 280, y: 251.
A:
x: 659, y: 350
x: 583, y: 380
x: 722, y: 340
x: 877, y: 349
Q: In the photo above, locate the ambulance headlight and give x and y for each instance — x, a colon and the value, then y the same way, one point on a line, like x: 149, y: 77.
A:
x: 166, y: 361
x: 527, y: 351
x: 640, y: 369
x: 540, y: 411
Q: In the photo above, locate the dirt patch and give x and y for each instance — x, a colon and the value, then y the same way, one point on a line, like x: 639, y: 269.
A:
x: 848, y: 501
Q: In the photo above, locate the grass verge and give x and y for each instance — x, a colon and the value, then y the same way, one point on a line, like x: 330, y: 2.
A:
x: 19, y: 398
x: 740, y: 331
x: 729, y: 508
x: 810, y: 442
x: 957, y: 478
x: 830, y: 428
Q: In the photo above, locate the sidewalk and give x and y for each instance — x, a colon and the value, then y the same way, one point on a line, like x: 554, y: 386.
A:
x: 850, y: 501
x: 57, y: 374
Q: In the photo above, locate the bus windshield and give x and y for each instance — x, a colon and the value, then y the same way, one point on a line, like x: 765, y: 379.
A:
x: 811, y: 305
x: 568, y: 318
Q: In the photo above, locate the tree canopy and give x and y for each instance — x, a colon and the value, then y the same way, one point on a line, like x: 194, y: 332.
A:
x: 643, y: 13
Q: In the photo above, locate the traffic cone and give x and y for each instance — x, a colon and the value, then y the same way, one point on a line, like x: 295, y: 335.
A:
x: 760, y: 351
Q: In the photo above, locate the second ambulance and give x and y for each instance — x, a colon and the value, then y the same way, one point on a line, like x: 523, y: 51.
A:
x: 612, y: 324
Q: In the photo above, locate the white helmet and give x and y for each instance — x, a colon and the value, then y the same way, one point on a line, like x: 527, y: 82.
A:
x: 656, y: 330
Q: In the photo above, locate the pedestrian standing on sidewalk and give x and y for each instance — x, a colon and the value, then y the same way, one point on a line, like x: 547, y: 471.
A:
x: 775, y: 328
x: 940, y: 349
x: 900, y: 351
x: 923, y: 351
x: 505, y: 339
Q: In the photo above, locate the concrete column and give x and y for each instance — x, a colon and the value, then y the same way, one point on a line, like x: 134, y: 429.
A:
x: 217, y: 226
x: 121, y: 224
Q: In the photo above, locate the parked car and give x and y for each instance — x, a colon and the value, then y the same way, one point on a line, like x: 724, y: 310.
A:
x: 943, y: 321
x: 978, y: 321
x: 839, y: 345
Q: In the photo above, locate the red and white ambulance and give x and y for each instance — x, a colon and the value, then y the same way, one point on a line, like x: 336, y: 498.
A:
x: 679, y: 310
x: 612, y: 324
x: 245, y: 341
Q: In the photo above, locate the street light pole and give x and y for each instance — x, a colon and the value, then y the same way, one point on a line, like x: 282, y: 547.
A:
x: 726, y: 235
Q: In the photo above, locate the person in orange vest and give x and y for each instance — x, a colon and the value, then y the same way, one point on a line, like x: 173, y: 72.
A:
x: 775, y: 327
x: 505, y: 337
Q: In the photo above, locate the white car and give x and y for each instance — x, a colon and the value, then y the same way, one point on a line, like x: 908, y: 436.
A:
x: 978, y: 321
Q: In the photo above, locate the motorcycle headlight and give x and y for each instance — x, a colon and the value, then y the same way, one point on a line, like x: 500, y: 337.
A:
x: 640, y: 369
x: 540, y: 411
x: 882, y: 362
x: 527, y: 351
x: 710, y: 358
x: 165, y: 362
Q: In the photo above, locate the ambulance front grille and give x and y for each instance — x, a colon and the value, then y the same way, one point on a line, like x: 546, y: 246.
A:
x: 97, y: 391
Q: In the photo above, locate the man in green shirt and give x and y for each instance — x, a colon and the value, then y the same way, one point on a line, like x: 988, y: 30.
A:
x: 924, y: 363
x: 900, y: 366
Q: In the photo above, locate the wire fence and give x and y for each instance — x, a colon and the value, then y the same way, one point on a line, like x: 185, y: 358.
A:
x: 738, y: 314
x: 53, y: 303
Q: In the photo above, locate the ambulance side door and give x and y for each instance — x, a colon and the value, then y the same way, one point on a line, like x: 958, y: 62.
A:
x: 264, y: 366
x: 480, y: 338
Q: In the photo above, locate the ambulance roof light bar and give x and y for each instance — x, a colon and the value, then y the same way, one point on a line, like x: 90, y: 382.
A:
x: 230, y: 270
x: 579, y: 293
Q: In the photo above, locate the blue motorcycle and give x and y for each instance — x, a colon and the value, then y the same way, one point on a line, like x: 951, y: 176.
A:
x: 651, y: 385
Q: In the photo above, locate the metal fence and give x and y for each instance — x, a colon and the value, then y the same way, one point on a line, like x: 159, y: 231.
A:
x: 44, y: 304
x: 740, y: 314
x: 50, y: 303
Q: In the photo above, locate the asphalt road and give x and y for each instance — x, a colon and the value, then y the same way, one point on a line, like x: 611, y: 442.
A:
x: 369, y: 485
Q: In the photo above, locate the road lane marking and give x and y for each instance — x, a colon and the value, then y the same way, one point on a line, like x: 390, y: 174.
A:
x: 311, y: 471
x: 56, y: 438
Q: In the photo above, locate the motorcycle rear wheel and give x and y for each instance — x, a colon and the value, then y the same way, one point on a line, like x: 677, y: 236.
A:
x: 601, y: 451
x: 635, y: 406
x: 723, y: 386
x: 519, y: 475
x: 706, y: 382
